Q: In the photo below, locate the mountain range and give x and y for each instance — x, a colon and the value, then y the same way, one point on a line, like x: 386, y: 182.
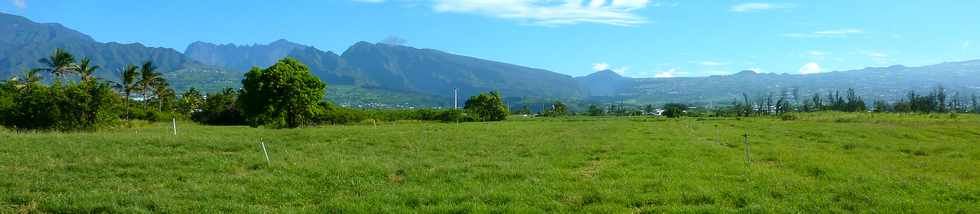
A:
x: 413, y: 76
x: 876, y: 83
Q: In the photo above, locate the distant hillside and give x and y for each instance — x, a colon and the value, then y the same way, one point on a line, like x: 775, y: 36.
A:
x: 398, y: 69
x: 23, y: 42
x: 887, y: 83
x: 435, y: 72
x: 604, y: 83
x: 241, y: 58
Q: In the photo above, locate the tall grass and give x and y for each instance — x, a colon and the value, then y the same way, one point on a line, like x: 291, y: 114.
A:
x: 815, y: 164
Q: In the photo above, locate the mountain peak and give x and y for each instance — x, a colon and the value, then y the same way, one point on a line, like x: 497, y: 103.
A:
x: 606, y: 74
x: 283, y: 42
x: 746, y: 72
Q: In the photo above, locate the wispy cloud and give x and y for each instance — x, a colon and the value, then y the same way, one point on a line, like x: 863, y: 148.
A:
x: 759, y: 6
x: 967, y: 44
x: 547, y: 12
x: 836, y: 33
x: 21, y: 4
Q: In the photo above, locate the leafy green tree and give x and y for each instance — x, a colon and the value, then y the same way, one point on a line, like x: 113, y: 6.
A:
x: 60, y: 63
x: 881, y: 106
x: 595, y: 110
x: 674, y: 110
x: 487, y: 107
x: 220, y: 109
x: 558, y: 109
x: 86, y: 69
x: 283, y: 95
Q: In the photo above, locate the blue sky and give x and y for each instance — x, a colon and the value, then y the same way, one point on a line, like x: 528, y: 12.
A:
x: 638, y: 38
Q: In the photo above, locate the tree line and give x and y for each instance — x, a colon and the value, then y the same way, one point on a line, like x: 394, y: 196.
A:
x: 284, y: 95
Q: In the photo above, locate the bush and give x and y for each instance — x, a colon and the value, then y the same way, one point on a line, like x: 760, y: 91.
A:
x: 487, y: 107
x: 334, y: 114
x: 220, y: 109
x: 674, y: 110
x: 75, y: 107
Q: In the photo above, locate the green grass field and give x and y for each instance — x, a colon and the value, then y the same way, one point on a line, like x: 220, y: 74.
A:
x: 817, y: 163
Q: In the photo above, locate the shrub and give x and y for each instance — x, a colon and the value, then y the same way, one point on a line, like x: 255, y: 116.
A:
x: 334, y: 114
x: 85, y: 106
x: 487, y: 107
x: 788, y: 117
x: 220, y: 109
x: 674, y: 110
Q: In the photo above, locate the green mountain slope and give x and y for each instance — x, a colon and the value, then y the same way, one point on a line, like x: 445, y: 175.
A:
x: 23, y: 42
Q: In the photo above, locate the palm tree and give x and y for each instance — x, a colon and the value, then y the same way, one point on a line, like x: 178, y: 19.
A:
x: 162, y: 89
x: 60, y: 63
x: 31, y: 78
x: 148, y: 79
x: 86, y: 69
x: 129, y: 83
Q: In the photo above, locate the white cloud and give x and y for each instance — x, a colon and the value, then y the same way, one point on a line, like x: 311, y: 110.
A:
x: 600, y: 66
x: 19, y: 3
x: 605, y: 66
x: 837, y: 33
x: 757, y: 6
x: 551, y: 12
x: 810, y: 68
x: 666, y: 74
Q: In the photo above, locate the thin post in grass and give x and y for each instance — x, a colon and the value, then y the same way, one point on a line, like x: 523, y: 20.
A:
x: 266, y: 152
x: 175, y: 126
x: 748, y: 159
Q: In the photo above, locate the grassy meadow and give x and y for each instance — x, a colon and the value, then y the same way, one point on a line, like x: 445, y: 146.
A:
x: 812, y: 163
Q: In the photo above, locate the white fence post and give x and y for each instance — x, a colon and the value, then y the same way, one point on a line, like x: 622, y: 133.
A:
x: 175, y: 126
x: 266, y: 152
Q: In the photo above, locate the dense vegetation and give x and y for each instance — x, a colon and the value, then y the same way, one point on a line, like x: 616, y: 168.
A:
x: 819, y: 163
x: 285, y: 95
